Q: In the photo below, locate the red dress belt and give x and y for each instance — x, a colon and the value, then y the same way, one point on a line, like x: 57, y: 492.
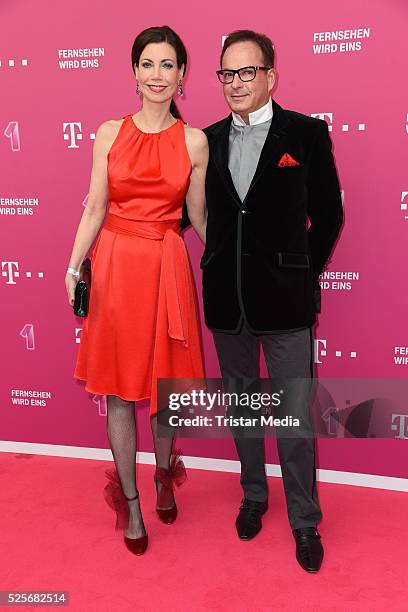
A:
x: 175, y: 265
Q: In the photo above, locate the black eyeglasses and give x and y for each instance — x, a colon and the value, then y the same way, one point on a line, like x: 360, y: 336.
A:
x: 248, y: 73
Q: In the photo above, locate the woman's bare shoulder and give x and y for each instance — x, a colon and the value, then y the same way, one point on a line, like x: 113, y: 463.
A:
x: 195, y: 136
x: 109, y: 127
x: 107, y: 132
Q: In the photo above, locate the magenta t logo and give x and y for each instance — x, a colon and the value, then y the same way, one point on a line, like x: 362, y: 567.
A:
x: 72, y: 132
x: 10, y: 269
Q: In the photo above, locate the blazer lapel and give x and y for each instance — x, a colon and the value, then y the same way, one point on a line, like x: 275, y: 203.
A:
x: 220, y: 149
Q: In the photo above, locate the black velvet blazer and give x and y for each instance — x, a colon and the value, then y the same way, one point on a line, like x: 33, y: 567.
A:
x: 261, y: 263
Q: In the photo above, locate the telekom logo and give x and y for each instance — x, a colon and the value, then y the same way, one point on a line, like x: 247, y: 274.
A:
x: 328, y: 117
x: 12, y: 63
x: 320, y: 350
x: 72, y: 131
x: 401, y: 426
x: 404, y: 204
x: 10, y: 271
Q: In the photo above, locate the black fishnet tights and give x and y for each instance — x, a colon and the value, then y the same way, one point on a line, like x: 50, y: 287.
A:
x: 121, y: 429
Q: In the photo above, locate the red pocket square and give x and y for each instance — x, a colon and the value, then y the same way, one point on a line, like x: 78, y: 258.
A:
x: 287, y: 160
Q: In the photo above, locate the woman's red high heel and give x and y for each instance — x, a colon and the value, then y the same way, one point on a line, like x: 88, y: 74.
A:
x: 117, y: 500
x: 177, y: 474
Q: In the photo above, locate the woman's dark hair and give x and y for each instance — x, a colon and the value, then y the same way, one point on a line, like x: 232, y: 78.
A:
x: 261, y: 40
x: 159, y: 34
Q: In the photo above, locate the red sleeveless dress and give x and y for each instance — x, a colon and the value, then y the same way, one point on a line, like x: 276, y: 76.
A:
x: 143, y: 321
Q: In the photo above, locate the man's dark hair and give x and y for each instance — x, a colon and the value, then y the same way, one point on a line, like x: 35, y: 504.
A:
x: 261, y: 40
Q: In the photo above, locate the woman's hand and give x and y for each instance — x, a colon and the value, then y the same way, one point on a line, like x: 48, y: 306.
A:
x: 70, y: 283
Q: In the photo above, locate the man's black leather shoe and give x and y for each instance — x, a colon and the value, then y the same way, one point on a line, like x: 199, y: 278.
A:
x: 248, y: 521
x: 309, y: 550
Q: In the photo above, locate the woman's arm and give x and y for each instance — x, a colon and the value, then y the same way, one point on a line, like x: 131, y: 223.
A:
x: 95, y: 210
x: 197, y: 146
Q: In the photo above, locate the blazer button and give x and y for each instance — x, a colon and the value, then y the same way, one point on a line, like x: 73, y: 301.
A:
x: 244, y: 211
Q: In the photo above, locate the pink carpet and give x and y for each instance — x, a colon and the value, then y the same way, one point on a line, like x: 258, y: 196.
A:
x: 58, y: 534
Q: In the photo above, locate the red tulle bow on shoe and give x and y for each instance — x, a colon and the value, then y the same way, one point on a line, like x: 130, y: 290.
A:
x: 177, y: 472
x: 115, y: 498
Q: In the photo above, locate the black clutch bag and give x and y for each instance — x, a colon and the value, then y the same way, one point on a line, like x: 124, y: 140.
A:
x: 82, y: 289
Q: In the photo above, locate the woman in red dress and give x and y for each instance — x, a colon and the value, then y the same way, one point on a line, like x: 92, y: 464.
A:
x: 143, y: 321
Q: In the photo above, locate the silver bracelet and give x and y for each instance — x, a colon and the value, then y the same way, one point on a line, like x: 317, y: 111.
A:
x: 73, y: 272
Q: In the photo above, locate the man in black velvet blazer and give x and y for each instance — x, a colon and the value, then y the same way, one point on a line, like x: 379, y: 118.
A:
x: 270, y: 172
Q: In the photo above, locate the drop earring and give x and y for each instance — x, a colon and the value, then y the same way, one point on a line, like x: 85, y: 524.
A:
x: 180, y: 88
x: 137, y: 88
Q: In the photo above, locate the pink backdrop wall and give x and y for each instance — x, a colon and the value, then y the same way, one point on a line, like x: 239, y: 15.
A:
x: 357, y: 85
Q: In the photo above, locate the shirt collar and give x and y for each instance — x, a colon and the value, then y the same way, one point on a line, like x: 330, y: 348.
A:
x: 259, y: 116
